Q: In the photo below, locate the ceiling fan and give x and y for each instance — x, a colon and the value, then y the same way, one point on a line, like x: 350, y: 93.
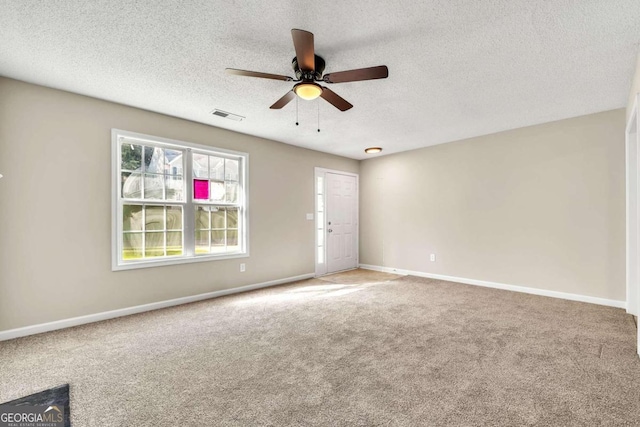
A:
x: 309, y: 69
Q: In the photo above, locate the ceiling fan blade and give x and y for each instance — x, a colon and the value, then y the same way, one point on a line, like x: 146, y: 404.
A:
x: 303, y: 42
x: 258, y: 74
x: 284, y: 100
x: 334, y: 99
x: 371, y: 73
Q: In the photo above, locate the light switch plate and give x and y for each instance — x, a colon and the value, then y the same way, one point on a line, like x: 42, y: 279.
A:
x: 310, y: 217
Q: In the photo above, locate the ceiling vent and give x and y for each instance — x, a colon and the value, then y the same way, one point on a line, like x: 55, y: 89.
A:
x: 227, y: 115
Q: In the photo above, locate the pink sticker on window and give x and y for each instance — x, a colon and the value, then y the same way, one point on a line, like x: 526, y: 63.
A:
x: 201, y: 189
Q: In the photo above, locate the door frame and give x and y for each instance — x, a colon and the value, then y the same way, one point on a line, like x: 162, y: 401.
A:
x: 632, y: 158
x: 321, y: 268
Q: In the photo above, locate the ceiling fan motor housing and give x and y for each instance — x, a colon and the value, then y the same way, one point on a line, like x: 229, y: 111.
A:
x: 309, y: 75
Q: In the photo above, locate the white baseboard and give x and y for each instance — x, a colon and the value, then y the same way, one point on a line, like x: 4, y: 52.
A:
x: 90, y: 318
x: 514, y: 288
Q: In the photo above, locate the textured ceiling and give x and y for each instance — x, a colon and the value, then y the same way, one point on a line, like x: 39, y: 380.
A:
x: 458, y: 68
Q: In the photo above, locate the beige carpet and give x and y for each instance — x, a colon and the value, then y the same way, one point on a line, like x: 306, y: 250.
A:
x: 358, y: 348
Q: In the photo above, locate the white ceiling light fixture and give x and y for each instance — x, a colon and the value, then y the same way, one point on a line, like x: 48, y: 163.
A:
x: 307, y: 91
x: 373, y: 150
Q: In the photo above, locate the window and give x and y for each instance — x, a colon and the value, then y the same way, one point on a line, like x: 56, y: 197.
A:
x: 176, y: 202
x: 320, y: 218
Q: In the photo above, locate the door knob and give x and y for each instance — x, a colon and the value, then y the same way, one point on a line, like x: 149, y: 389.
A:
x: 329, y: 230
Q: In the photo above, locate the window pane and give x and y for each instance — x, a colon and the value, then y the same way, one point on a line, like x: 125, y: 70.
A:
x: 153, y: 160
x: 202, y: 242
x: 232, y: 240
x: 217, y: 191
x: 200, y: 165
x: 153, y: 186
x: 320, y: 203
x: 200, y: 189
x: 131, y: 157
x: 174, y: 218
x: 321, y: 255
x: 132, y: 217
x: 217, y: 241
x: 232, y: 218
x: 173, y: 161
x: 173, y: 187
x: 131, y: 185
x: 216, y: 168
x: 217, y: 218
x: 320, y: 219
x: 320, y: 187
x: 174, y: 243
x: 154, y: 217
x: 131, y: 245
x: 320, y: 237
x: 202, y: 219
x: 231, y: 170
x: 154, y: 244
x: 232, y: 192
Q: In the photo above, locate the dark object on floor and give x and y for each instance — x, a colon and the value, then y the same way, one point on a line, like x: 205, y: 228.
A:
x: 54, y: 396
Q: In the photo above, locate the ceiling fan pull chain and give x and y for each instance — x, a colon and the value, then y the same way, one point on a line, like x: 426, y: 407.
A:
x: 318, y: 116
x: 296, y: 111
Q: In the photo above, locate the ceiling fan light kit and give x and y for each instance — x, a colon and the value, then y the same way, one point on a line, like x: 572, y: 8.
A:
x: 308, y: 91
x: 309, y: 68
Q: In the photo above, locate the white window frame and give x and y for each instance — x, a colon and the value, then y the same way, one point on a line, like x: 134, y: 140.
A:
x: 189, y: 205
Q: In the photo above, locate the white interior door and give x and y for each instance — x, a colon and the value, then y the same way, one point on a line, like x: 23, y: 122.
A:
x: 342, y: 222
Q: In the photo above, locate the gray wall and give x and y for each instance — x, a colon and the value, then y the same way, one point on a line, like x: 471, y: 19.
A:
x: 55, y: 208
x: 542, y: 206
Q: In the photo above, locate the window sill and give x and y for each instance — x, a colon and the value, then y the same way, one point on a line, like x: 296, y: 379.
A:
x: 134, y: 265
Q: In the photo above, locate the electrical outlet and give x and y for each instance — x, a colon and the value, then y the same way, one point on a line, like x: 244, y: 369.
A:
x: 432, y: 257
x: 243, y: 267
